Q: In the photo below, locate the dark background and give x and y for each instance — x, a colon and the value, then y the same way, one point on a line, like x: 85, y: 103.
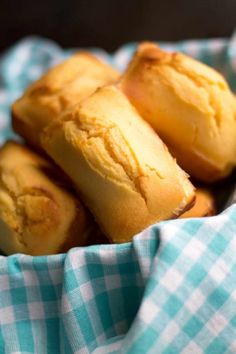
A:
x: 110, y: 23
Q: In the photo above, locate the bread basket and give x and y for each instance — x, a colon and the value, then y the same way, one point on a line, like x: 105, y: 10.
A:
x: 172, y: 289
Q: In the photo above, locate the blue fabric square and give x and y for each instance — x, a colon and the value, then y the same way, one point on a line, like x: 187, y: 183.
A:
x: 52, y: 330
x: 5, y: 299
x: 24, y: 331
x: 172, y: 305
x: 218, y: 244
x: 103, y: 306
x: 196, y: 274
x: 96, y: 270
x: 82, y: 316
x: 193, y: 326
x: 217, y: 347
x: 170, y: 253
x: 48, y: 293
x: 71, y: 280
x: 218, y: 297
x: 192, y: 227
x: 19, y: 296
x: 144, y: 342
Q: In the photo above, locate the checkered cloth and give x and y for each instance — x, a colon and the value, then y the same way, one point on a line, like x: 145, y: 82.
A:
x: 172, y: 290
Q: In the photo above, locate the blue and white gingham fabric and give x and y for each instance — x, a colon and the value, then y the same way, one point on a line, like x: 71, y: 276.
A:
x: 172, y: 290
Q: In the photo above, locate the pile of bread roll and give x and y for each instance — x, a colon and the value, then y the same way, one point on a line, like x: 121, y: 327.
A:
x: 108, y: 154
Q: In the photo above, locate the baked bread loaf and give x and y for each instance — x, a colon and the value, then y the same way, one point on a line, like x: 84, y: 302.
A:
x: 189, y: 105
x: 38, y: 215
x: 122, y: 170
x: 61, y: 87
x: 204, y: 205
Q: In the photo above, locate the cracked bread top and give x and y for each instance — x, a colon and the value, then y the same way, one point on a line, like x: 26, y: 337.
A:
x: 59, y: 88
x: 189, y: 105
x: 122, y: 170
x: 38, y: 214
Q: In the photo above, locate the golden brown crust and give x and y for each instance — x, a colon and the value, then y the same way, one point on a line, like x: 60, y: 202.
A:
x: 37, y: 214
x: 189, y: 105
x: 148, y: 52
x: 61, y: 87
x: 204, y: 205
x: 122, y: 170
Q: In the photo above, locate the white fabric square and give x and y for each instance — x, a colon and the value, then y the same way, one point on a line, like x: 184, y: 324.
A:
x: 148, y: 311
x: 86, y: 290
x: 192, y: 348
x: 145, y: 266
x: 112, y: 282
x: 195, y: 301
x: 170, y: 331
x: 108, y: 255
x: 7, y: 315
x: 168, y: 232
x: 36, y: 311
x: 172, y: 279
x: 194, y: 249
x: 30, y: 278
x: 77, y: 258
x: 56, y: 275
x: 4, y: 282
x: 217, y: 323
x: 218, y: 222
x: 65, y: 304
x: 219, y: 271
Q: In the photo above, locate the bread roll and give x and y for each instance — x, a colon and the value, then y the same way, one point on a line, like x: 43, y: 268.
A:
x: 189, y: 105
x: 122, y: 170
x: 61, y: 87
x: 204, y: 205
x: 38, y: 215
